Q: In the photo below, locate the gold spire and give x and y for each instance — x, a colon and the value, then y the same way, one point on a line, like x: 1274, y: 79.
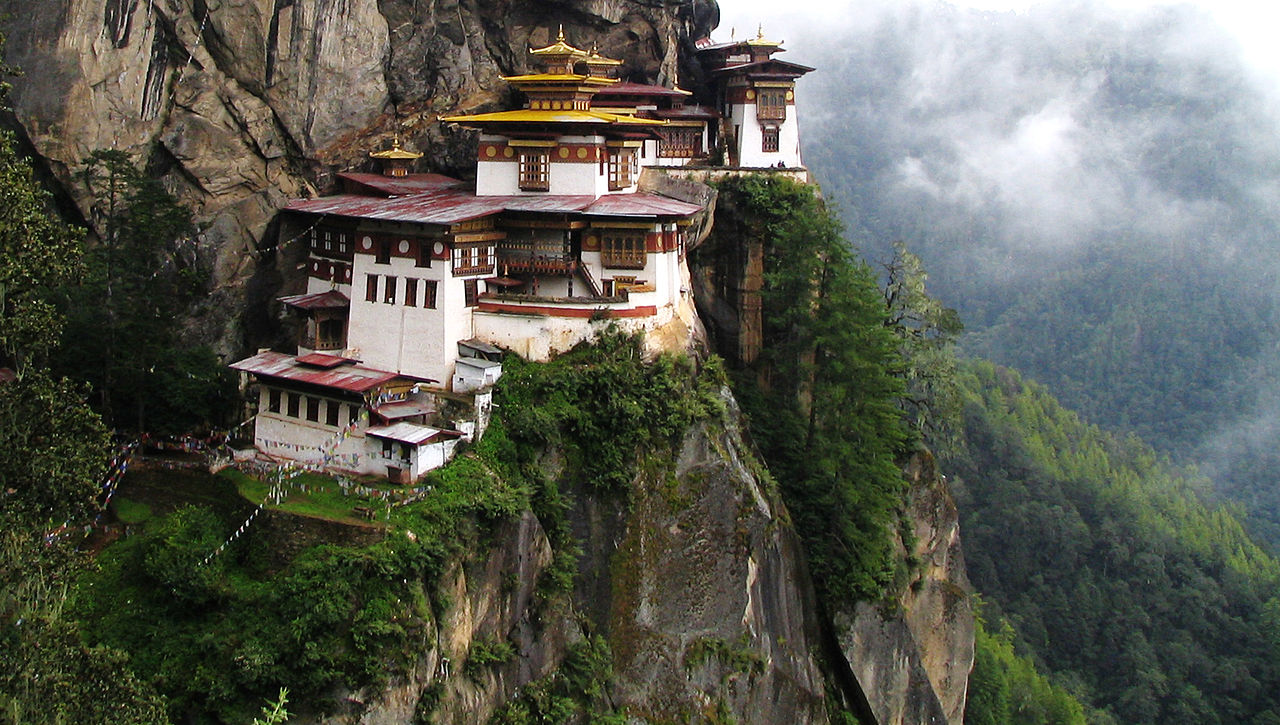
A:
x: 395, y: 152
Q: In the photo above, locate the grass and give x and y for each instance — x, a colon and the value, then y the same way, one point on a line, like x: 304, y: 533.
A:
x: 131, y: 512
x: 313, y: 495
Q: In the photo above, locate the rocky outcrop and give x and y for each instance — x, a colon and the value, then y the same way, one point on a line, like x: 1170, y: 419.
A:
x: 913, y: 662
x: 695, y: 580
x: 241, y: 104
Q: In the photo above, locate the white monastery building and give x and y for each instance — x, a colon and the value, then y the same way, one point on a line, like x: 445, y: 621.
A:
x: 418, y: 283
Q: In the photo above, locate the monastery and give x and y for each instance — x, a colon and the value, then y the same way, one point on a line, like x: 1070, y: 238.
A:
x: 418, y: 283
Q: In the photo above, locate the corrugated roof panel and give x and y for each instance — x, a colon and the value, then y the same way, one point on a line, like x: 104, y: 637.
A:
x: 320, y: 300
x: 640, y: 204
x: 401, y: 185
x: 408, y: 433
x: 351, y: 377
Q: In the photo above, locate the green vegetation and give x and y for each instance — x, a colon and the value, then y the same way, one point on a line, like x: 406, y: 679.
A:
x: 824, y: 399
x: 1005, y: 689
x: 1150, y: 605
x: 53, y: 453
x: 144, y: 271
x: 575, y: 692
x: 131, y: 512
x: 219, y: 638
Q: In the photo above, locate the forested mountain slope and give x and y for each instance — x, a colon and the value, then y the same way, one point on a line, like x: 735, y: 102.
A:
x: 1150, y: 605
x: 1094, y: 189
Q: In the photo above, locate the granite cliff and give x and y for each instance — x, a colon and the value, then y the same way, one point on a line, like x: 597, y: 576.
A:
x: 240, y: 104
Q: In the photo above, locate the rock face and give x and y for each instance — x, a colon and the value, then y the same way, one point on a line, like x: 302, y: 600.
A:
x: 913, y: 664
x: 696, y: 582
x: 241, y: 104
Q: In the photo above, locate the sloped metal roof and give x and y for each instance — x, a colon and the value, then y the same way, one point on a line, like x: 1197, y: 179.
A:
x: 332, y: 299
x: 349, y: 377
x: 410, y: 433
x: 401, y: 185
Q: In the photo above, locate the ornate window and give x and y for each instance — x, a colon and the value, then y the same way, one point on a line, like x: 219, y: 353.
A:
x: 623, y: 249
x: 473, y: 259
x: 680, y: 142
x: 622, y: 164
x: 769, y: 139
x: 771, y: 104
x: 535, y: 170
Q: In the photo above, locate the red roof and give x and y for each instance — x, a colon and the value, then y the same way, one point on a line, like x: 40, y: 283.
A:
x: 400, y: 185
x: 318, y: 300
x: 348, y: 377
x: 450, y: 206
x: 321, y: 360
x: 639, y: 89
x: 700, y: 113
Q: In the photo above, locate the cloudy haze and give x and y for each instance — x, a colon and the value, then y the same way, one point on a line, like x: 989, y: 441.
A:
x: 1095, y: 185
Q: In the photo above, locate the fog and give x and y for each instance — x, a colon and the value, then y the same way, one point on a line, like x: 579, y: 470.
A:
x: 1095, y: 186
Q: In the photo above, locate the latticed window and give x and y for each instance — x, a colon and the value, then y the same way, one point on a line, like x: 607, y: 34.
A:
x: 623, y: 250
x: 680, y: 143
x: 771, y: 104
x: 769, y: 140
x: 621, y: 168
x: 475, y: 259
x: 534, y: 170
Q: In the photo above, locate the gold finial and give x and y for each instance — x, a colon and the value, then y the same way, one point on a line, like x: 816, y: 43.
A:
x: 560, y: 37
x: 760, y: 32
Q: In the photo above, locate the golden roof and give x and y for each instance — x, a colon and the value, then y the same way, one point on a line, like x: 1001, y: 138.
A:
x: 559, y: 78
x: 560, y: 48
x: 759, y: 40
x: 565, y: 116
x: 395, y: 152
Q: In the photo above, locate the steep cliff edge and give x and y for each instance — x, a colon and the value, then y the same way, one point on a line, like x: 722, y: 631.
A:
x: 240, y: 105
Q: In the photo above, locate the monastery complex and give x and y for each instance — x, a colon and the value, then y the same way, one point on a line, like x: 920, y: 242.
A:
x: 418, y: 283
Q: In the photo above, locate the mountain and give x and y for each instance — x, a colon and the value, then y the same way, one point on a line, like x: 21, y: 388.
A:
x: 1094, y: 190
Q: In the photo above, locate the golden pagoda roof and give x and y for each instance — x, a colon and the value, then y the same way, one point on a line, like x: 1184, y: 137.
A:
x: 594, y: 58
x: 559, y: 48
x: 564, y: 116
x: 559, y: 78
x: 759, y: 40
x: 395, y: 152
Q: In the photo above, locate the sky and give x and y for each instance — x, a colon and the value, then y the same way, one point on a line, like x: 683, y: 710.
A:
x: 1252, y: 22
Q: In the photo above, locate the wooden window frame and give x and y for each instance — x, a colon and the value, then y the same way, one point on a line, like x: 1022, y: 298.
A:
x: 410, y: 292
x: 623, y: 249
x: 622, y: 164
x: 371, y: 288
x: 273, y: 400
x: 535, y: 170
x: 382, y: 251
x: 429, y: 294
x: 389, y: 291
x: 293, y: 405
x: 313, y: 409
x: 770, y: 139
x: 771, y: 104
x: 332, y: 411
x: 471, y: 292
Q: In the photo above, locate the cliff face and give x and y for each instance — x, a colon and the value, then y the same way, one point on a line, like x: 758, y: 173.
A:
x: 694, y: 580
x: 241, y: 104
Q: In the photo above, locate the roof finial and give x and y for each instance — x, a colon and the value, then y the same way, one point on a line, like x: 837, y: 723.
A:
x: 760, y: 32
x: 560, y: 37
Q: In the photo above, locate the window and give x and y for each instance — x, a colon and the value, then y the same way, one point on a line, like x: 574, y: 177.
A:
x: 410, y: 292
x: 621, y: 168
x: 424, y: 253
x: 331, y: 410
x: 474, y: 259
x: 371, y: 288
x: 353, y: 414
x: 384, y: 251
x: 389, y: 291
x: 471, y: 291
x: 769, y: 140
x: 273, y: 401
x: 534, y: 170
x: 623, y: 249
x: 313, y: 409
x: 429, y: 293
x: 294, y: 401
x: 771, y: 104
x: 680, y: 143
